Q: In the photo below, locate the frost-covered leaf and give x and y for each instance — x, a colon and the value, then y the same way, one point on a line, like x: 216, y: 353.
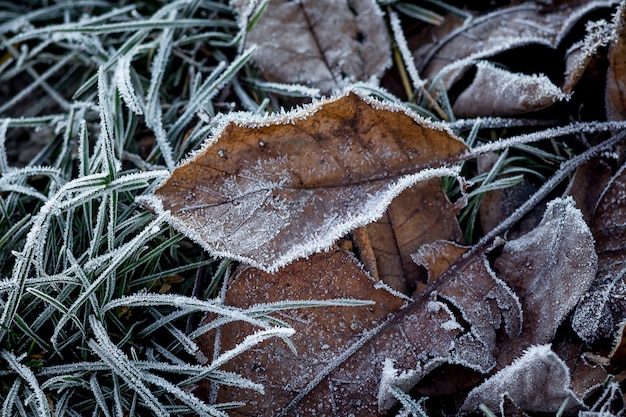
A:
x: 550, y: 269
x: 603, y: 308
x: 267, y: 191
x: 326, y: 44
x: 349, y: 360
x: 615, y: 94
x: 539, y: 381
x: 495, y: 91
x: 587, y: 376
x: 617, y: 357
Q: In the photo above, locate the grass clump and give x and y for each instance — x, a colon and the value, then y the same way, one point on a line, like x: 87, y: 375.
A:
x: 96, y: 291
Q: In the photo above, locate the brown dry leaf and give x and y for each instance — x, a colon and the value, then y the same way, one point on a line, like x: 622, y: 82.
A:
x: 604, y: 307
x: 420, y: 214
x: 587, y: 184
x: 587, y: 376
x: 267, y: 191
x: 550, y: 269
x: 615, y: 95
x: 423, y: 42
x: 438, y: 257
x: 326, y: 44
x: 348, y: 358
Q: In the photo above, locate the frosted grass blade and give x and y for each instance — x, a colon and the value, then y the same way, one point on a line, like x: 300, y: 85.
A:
x: 41, y: 402
x: 9, y: 400
x: 99, y: 397
x: 154, y: 117
x: 209, y: 88
x: 123, y: 367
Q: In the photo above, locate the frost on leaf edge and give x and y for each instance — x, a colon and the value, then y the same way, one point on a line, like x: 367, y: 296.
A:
x: 302, y: 112
x: 302, y: 251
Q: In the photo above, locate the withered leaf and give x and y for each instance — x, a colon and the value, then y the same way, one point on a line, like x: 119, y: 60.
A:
x: 348, y: 358
x: 603, y: 308
x: 539, y: 381
x: 420, y: 214
x: 615, y: 95
x: 267, y: 191
x: 495, y: 91
x: 587, y: 184
x: 326, y: 44
x: 587, y: 376
x: 506, y: 29
x: 550, y: 269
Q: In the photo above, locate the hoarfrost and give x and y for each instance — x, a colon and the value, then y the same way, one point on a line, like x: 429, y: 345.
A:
x: 154, y: 116
x: 500, y: 31
x: 124, y: 84
x: 538, y: 381
x: 295, y: 90
x: 409, y: 62
x: 404, y: 380
x: 570, y: 129
x: 600, y: 311
x: 351, y: 360
x: 578, y: 56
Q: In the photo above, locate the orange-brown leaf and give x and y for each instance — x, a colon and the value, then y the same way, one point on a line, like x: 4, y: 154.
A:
x: 421, y: 214
x: 267, y: 191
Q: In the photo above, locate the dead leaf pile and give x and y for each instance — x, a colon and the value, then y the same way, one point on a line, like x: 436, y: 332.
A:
x: 344, y: 198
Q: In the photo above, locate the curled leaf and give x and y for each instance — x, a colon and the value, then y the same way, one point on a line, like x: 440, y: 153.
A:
x: 267, y: 191
x: 580, y: 55
x: 503, y: 30
x: 458, y: 60
x: 495, y: 91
